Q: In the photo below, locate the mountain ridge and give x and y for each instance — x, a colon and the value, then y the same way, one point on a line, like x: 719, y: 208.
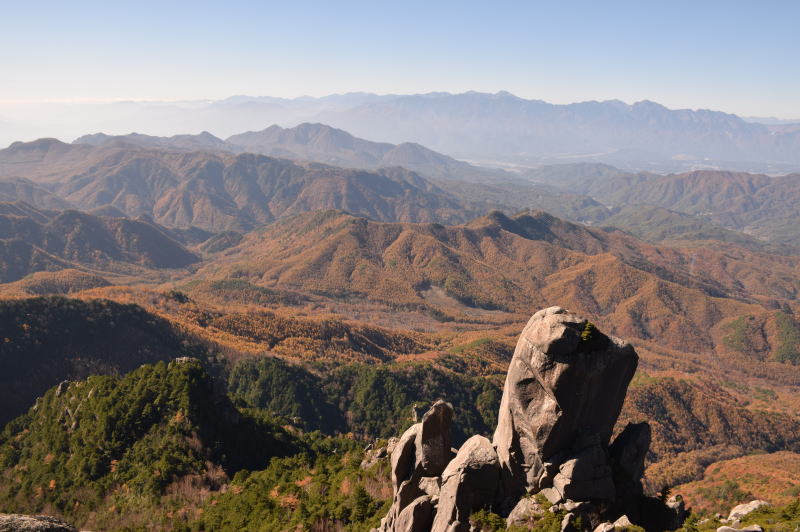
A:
x: 56, y: 240
x: 220, y: 191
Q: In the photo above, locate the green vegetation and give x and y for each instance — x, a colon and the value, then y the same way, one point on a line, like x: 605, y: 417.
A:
x: 45, y: 340
x: 788, y: 349
x: 317, y: 490
x: 642, y: 378
x: 129, y: 439
x: 242, y: 292
x: 587, y: 332
x: 372, y: 401
x: 726, y: 495
x: 741, y: 333
x: 487, y: 521
x: 773, y: 518
x: 284, y: 390
x: 765, y: 394
x: 469, y: 346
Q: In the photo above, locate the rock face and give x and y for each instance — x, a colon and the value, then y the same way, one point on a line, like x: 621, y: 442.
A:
x: 525, y: 513
x: 33, y: 523
x: 740, y: 511
x: 469, y: 483
x: 563, y: 393
x: 418, y: 460
x: 627, y: 455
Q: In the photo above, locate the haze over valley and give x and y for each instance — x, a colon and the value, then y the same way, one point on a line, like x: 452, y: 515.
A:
x: 641, y: 135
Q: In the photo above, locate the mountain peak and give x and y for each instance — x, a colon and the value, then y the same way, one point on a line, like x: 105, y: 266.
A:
x: 42, y: 144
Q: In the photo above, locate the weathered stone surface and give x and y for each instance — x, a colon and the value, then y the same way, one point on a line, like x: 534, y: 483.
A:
x: 33, y: 523
x: 623, y: 522
x: 404, y: 456
x: 559, y: 386
x: 418, y: 458
x: 628, y: 452
x: 424, y: 449
x: 568, y: 523
x: 525, y: 513
x: 740, y: 511
x: 469, y: 483
x: 751, y: 528
x: 431, y: 486
x: 620, y: 525
x: 433, y: 445
x: 585, y: 477
x: 416, y: 517
x: 563, y: 393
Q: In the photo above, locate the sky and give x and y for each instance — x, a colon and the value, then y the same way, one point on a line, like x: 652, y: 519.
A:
x: 734, y: 56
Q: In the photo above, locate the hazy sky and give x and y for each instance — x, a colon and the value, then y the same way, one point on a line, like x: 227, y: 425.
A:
x: 735, y: 56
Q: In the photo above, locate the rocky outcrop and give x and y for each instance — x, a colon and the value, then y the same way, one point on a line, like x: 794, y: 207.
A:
x: 468, y: 484
x: 740, y: 511
x: 374, y: 454
x: 33, y: 523
x: 525, y: 513
x: 418, y: 460
x: 676, y: 512
x: 627, y: 455
x: 563, y: 394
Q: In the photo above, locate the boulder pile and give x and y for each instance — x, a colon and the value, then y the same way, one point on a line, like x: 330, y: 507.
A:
x: 562, y: 396
x: 33, y: 523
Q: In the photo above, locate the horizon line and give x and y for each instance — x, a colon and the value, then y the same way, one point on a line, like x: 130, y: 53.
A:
x: 118, y: 100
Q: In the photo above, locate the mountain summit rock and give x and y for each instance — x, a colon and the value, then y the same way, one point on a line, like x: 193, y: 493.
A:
x: 563, y: 394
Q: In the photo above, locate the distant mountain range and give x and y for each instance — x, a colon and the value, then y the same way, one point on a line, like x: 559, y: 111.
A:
x: 756, y: 204
x: 507, y: 128
x: 314, y: 142
x: 211, y: 184
x: 215, y: 191
x: 500, y: 127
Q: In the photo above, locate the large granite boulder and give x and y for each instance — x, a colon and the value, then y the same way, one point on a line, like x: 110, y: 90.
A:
x: 627, y: 453
x: 585, y: 476
x: 565, y: 387
x: 424, y: 450
x: 741, y: 511
x: 563, y: 394
x: 416, y: 517
x: 468, y: 484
